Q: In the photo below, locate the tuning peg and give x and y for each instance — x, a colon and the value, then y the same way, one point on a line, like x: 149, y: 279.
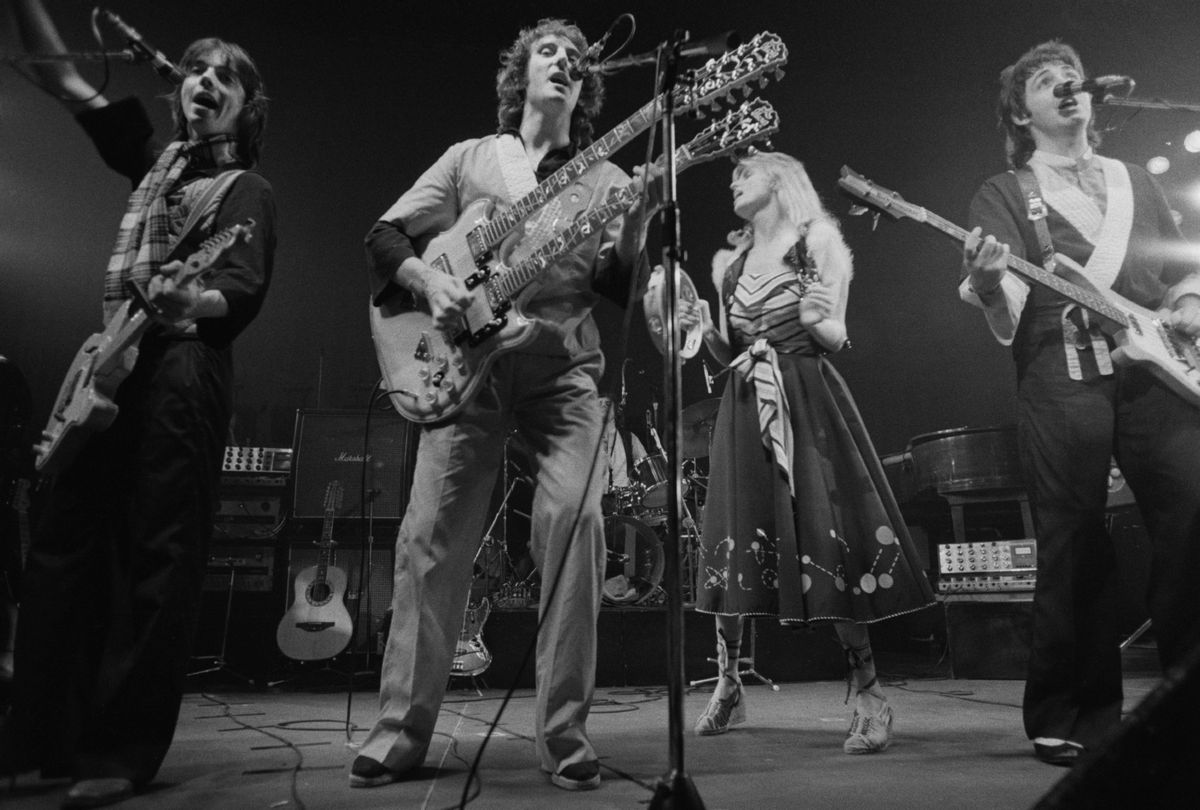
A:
x: 762, y: 82
x: 779, y: 74
x: 874, y: 221
x: 699, y: 115
x: 857, y: 210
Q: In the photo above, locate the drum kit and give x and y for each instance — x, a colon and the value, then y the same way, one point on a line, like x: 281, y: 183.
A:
x: 636, y: 515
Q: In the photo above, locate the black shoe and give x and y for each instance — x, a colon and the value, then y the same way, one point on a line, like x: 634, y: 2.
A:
x: 98, y: 792
x: 578, y: 776
x: 1063, y: 753
x: 366, y: 773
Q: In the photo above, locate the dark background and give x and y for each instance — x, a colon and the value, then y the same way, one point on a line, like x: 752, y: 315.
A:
x: 366, y: 95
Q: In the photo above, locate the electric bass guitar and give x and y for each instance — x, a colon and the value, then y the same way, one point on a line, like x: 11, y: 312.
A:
x: 431, y: 375
x: 85, y: 400
x: 1142, y: 336
x: 317, y: 625
x: 471, y: 656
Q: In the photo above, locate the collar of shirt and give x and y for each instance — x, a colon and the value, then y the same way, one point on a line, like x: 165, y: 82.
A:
x: 553, y: 160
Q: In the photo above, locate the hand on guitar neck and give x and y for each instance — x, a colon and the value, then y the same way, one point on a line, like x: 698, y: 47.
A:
x: 178, y: 295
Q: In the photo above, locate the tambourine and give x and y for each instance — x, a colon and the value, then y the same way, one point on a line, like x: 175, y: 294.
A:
x: 653, y: 304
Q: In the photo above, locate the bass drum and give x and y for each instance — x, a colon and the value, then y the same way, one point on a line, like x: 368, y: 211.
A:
x: 635, y: 561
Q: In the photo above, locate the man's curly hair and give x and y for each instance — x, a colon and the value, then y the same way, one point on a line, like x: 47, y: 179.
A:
x: 512, y: 78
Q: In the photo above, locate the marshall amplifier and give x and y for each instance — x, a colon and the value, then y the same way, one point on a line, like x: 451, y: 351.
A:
x: 342, y: 446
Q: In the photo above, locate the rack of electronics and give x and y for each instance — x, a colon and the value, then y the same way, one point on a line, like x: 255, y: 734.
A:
x: 271, y: 519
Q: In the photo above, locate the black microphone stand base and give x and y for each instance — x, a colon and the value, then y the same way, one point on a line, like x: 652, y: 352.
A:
x: 675, y: 791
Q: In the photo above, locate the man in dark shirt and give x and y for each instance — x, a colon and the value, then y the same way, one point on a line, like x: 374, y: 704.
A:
x: 1078, y: 408
x: 115, y: 572
x: 547, y: 389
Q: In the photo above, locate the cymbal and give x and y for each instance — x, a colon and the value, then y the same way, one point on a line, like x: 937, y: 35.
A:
x: 698, y: 420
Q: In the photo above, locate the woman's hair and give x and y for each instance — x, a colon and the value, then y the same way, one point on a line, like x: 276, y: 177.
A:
x: 252, y: 120
x: 513, y: 77
x: 792, y: 186
x: 1018, y: 142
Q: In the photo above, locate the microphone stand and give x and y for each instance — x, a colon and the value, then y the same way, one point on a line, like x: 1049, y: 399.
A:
x: 675, y: 790
x: 126, y: 55
x: 1150, y: 104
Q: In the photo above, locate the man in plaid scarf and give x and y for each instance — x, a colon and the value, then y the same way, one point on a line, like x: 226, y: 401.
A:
x: 117, y: 565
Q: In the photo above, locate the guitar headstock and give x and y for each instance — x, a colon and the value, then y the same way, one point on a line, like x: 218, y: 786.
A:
x: 879, y: 198
x: 213, y: 248
x: 754, y: 120
x: 333, y: 497
x: 761, y: 58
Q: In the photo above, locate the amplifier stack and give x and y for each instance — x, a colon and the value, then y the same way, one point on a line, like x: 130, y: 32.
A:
x: 250, y: 515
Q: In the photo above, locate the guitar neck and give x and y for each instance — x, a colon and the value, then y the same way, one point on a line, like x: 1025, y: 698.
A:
x: 508, y: 283
x: 323, y: 558
x: 1039, y: 275
x: 494, y: 231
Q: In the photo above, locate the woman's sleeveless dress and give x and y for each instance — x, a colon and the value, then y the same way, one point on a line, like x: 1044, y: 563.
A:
x: 839, y: 549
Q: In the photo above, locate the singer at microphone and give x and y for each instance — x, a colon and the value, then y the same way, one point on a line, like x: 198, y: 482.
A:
x: 1099, y: 87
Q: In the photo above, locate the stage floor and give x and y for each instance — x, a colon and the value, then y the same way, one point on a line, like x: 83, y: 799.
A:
x: 956, y: 744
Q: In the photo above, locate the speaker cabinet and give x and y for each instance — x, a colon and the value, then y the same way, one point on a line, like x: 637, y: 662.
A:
x: 329, y: 446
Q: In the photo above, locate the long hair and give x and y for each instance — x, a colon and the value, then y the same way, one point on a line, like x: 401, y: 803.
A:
x: 252, y: 120
x: 797, y: 196
x: 1018, y: 142
x: 513, y: 78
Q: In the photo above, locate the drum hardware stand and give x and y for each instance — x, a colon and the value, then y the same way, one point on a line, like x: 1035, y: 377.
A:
x: 745, y: 662
x: 364, y: 586
x: 218, y: 662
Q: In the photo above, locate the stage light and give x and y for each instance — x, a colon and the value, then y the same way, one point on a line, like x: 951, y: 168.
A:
x: 1157, y: 165
x: 1191, y: 141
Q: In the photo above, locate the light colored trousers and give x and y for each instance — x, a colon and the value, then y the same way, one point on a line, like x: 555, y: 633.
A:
x: 553, y: 402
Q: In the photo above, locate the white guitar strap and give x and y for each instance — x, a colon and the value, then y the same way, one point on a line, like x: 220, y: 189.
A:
x: 520, y: 180
x: 1076, y: 337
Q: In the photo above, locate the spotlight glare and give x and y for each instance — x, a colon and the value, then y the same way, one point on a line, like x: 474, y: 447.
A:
x: 1157, y: 165
x: 1191, y: 141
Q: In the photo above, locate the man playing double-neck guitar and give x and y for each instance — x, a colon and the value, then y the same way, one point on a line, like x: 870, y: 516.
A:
x: 1077, y: 408
x: 547, y: 389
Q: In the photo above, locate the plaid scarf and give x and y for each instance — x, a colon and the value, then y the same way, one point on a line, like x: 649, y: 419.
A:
x: 144, y: 238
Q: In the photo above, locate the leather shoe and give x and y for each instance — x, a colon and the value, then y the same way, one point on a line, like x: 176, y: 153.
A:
x: 98, y: 792
x: 1063, y: 753
x: 578, y: 776
x: 367, y: 773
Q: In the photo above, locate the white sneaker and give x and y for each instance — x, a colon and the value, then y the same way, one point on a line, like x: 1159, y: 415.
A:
x: 869, y: 734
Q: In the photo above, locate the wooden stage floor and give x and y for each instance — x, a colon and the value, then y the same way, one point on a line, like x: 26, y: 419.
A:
x: 957, y: 744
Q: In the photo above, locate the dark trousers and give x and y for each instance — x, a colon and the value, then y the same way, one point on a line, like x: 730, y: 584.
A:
x: 1068, y: 431
x: 113, y: 583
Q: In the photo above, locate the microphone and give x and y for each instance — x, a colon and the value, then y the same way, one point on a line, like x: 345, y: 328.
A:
x: 1099, y: 87
x: 709, y: 46
x: 145, y: 51
x: 587, y: 63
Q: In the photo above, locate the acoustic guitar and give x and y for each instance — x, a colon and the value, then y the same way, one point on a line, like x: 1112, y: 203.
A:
x: 1143, y: 337
x: 317, y: 625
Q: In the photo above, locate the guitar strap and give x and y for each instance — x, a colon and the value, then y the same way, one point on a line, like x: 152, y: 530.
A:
x: 1079, y: 333
x: 210, y: 199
